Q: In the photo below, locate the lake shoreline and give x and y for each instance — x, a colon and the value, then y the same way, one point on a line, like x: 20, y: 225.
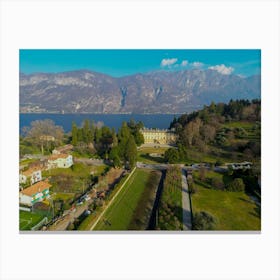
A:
x: 160, y: 121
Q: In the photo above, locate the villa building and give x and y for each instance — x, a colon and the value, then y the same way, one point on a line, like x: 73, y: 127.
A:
x: 60, y: 161
x: 35, y: 193
x: 159, y: 136
x: 34, y: 174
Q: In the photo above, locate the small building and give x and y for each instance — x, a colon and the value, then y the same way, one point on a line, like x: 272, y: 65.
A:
x: 35, y: 193
x: 63, y: 150
x: 159, y: 136
x: 34, y: 174
x: 39, y: 164
x: 47, y: 138
x: 60, y: 161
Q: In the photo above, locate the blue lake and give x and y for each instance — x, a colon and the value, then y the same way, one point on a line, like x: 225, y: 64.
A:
x: 161, y: 121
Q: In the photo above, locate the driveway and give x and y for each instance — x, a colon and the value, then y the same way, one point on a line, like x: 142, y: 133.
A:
x: 186, y: 206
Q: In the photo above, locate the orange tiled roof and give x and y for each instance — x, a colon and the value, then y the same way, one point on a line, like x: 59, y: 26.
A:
x: 29, y: 171
x: 66, y: 147
x: 54, y: 157
x: 38, y: 187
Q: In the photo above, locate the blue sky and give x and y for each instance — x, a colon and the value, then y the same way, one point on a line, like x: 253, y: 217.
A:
x: 126, y: 62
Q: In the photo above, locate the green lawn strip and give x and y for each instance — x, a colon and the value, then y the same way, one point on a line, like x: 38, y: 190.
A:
x: 142, y: 213
x: 144, y: 154
x: 120, y: 212
x: 149, y: 159
x: 233, y: 210
x: 27, y: 220
x: 170, y: 215
x: 150, y: 150
x: 90, y: 220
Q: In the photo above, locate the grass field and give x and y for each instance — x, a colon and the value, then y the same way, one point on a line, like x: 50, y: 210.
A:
x: 243, y: 124
x: 118, y: 216
x: 233, y: 210
x: 143, y: 154
x: 27, y: 220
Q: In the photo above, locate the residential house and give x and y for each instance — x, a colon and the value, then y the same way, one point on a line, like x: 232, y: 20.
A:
x: 63, y: 150
x: 35, y: 193
x: 60, y: 161
x: 32, y: 174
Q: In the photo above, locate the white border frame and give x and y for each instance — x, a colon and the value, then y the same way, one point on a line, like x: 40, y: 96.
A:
x: 123, y: 24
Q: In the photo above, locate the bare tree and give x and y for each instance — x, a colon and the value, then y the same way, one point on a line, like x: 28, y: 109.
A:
x: 43, y: 132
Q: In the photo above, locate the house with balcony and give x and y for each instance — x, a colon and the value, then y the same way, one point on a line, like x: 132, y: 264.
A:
x: 60, y: 161
x: 32, y: 175
x: 35, y: 193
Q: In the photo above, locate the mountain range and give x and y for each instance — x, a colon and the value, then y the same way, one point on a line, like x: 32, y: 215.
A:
x: 85, y: 91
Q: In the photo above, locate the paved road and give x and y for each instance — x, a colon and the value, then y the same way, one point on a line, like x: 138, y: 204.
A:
x: 187, y: 219
x: 152, y: 166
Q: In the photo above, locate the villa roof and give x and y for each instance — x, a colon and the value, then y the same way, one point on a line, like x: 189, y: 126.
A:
x: 157, y: 130
x: 30, y: 171
x: 38, y: 187
x: 54, y: 157
x: 64, y: 148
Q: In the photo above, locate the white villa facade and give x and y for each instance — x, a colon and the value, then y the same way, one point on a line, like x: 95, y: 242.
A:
x: 159, y: 136
x: 35, y: 176
x: 60, y: 161
x: 35, y: 193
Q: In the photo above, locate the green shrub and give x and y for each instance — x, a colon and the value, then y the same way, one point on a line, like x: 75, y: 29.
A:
x: 203, y: 221
x: 237, y: 185
x: 217, y: 183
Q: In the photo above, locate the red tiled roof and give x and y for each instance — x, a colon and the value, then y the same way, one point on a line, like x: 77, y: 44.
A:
x: 38, y: 187
x: 30, y: 171
x: 54, y: 157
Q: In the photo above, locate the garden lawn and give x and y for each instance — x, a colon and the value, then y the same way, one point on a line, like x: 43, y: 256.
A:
x: 243, y: 124
x: 118, y: 216
x: 143, y: 154
x: 27, y: 220
x: 233, y: 210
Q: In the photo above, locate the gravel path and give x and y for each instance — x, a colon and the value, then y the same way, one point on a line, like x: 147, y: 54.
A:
x: 187, y: 220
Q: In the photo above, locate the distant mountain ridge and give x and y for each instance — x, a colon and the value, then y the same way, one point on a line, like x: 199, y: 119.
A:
x: 84, y: 91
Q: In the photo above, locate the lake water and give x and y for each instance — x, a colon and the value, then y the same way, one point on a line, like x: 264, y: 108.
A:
x: 161, y: 121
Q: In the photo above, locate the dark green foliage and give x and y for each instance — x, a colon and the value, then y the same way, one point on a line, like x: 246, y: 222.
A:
x: 141, y: 214
x: 131, y: 152
x: 237, y: 185
x: 217, y: 183
x: 171, y: 155
x: 205, y: 126
x: 203, y: 221
x: 135, y: 131
x: 74, y: 134
x: 114, y: 156
x: 170, y: 209
x: 191, y: 186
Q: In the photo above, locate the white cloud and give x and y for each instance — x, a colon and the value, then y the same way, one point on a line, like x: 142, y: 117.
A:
x: 222, y: 69
x: 184, y: 63
x: 197, y: 64
x: 168, y: 62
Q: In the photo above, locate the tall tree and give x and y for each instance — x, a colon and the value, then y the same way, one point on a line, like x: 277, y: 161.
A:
x: 74, y: 134
x: 43, y: 132
x: 131, y: 152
